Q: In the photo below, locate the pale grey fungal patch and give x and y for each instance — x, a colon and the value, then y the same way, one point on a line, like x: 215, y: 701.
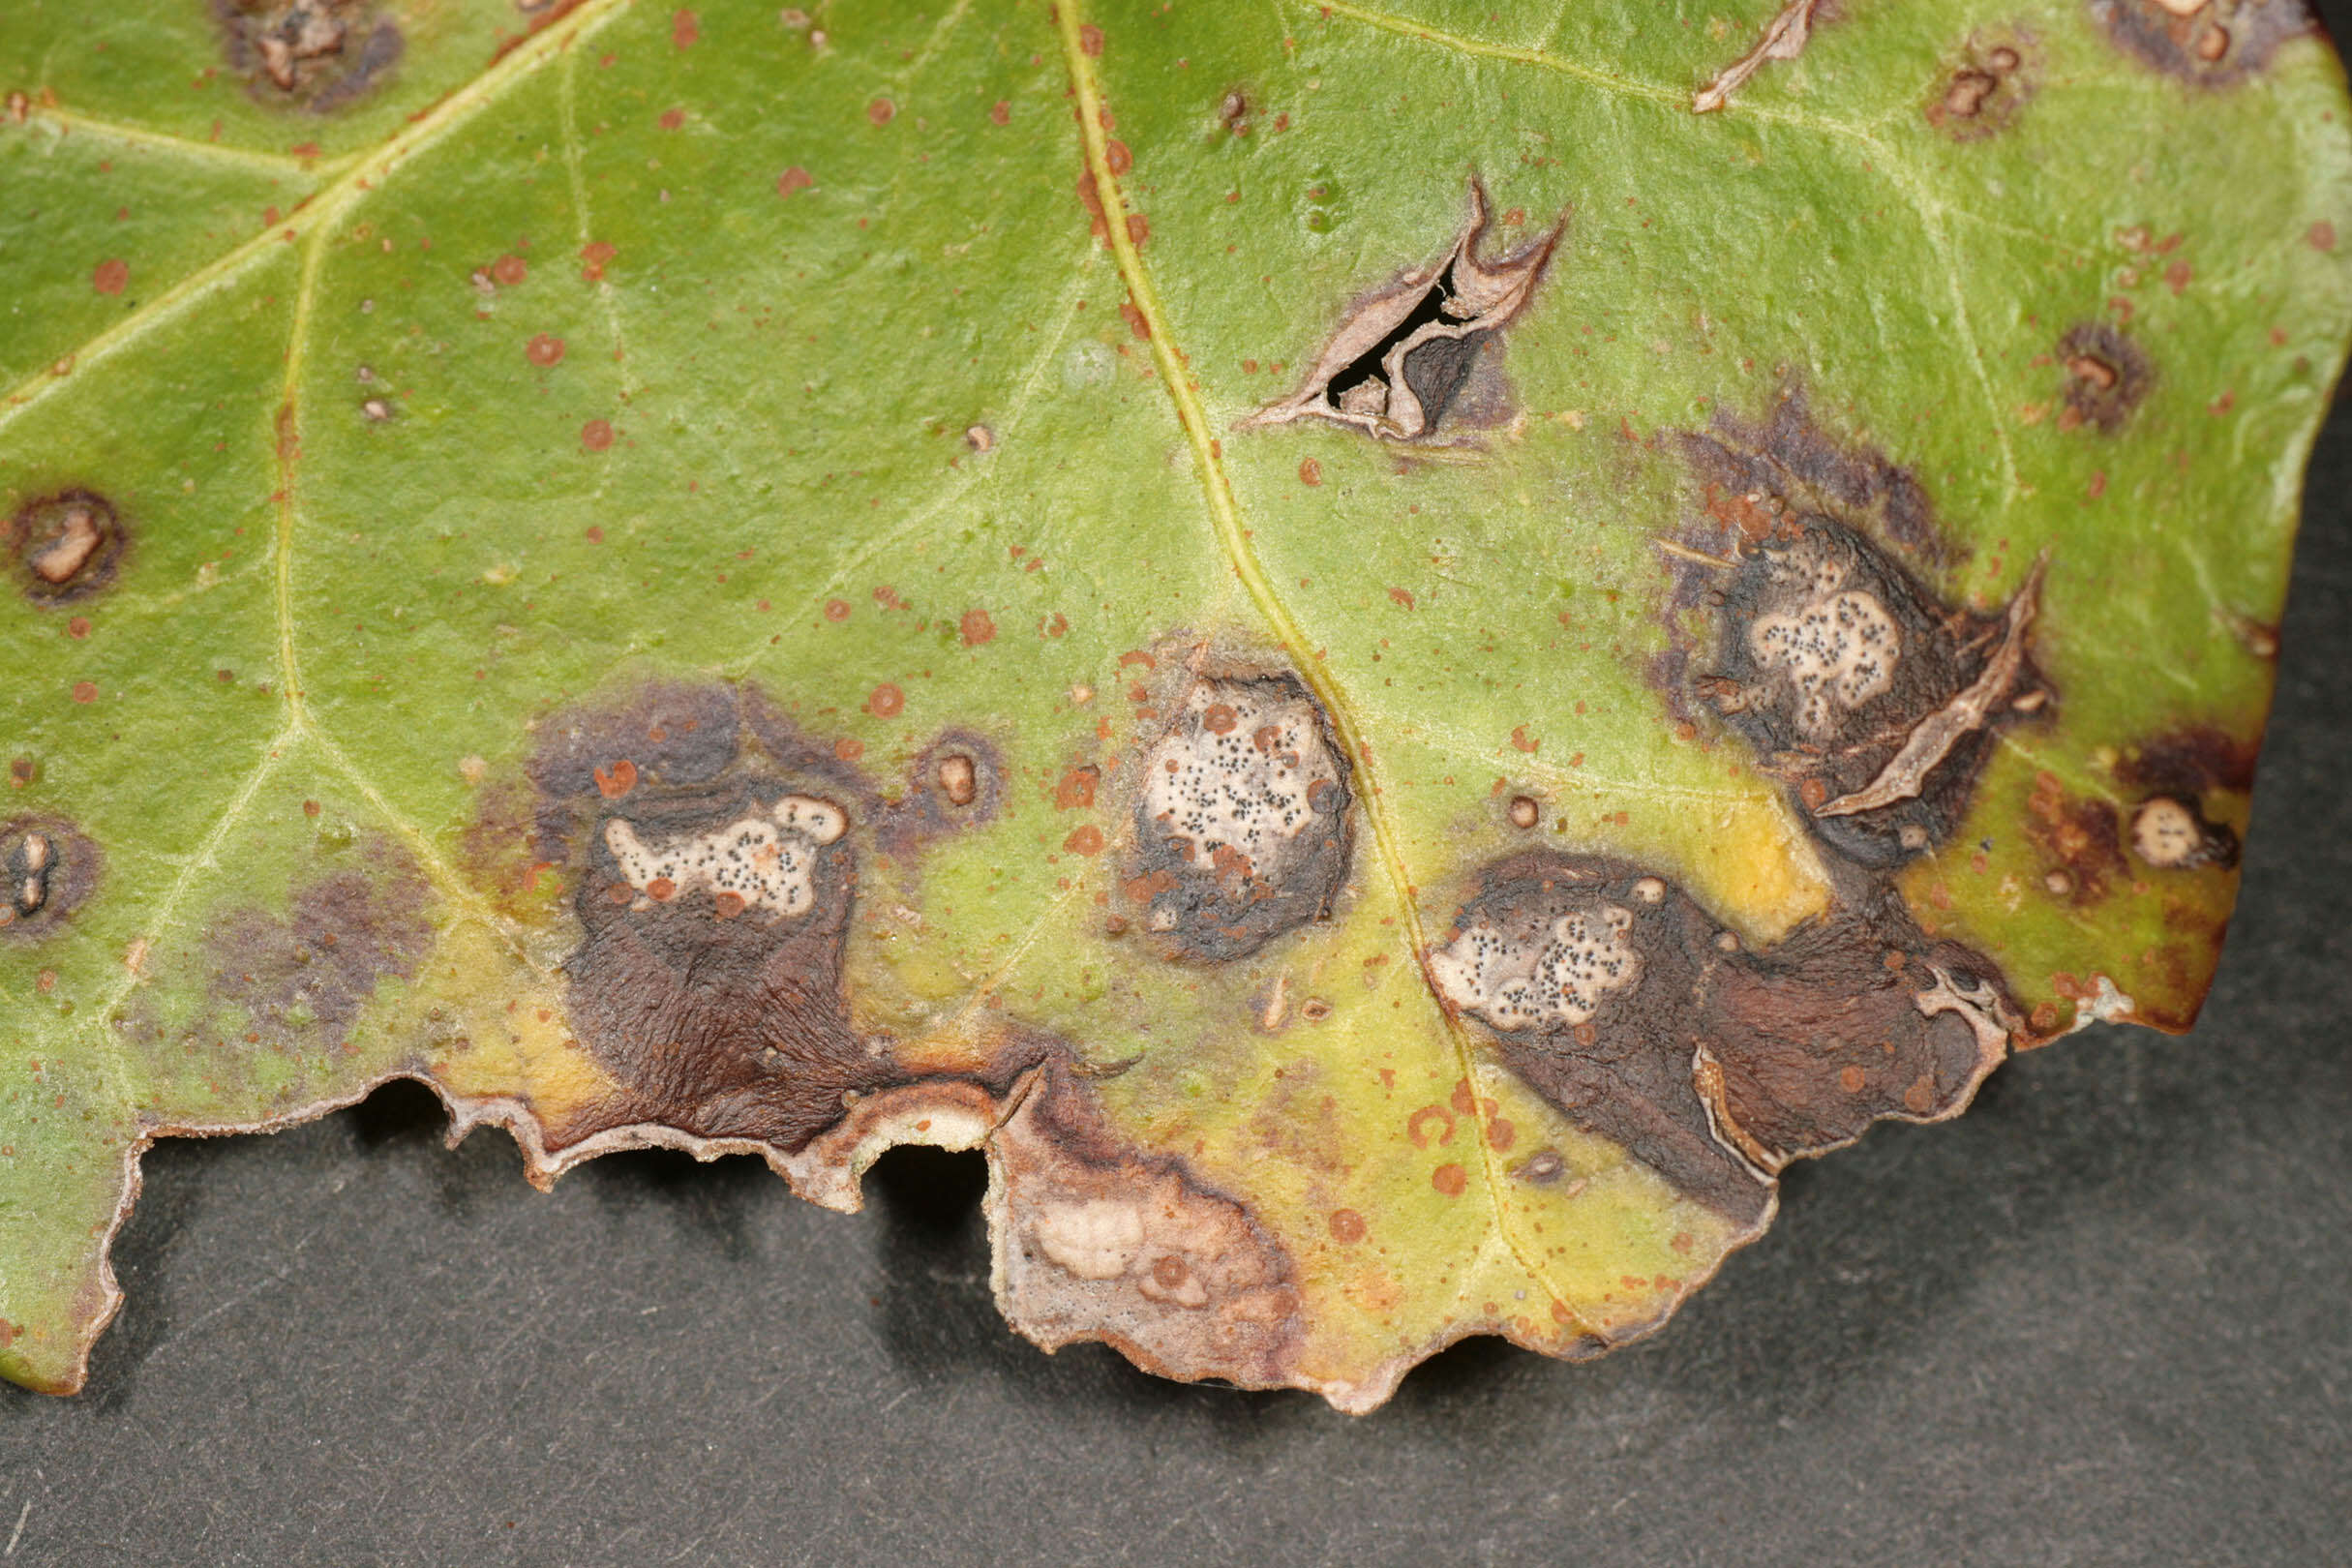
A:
x: 1242, y: 779
x: 1841, y: 646
x: 1514, y: 984
x: 766, y: 860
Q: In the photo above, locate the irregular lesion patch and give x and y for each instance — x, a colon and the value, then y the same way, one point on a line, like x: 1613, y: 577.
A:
x: 1617, y: 996
x: 1242, y: 818
x: 1872, y: 700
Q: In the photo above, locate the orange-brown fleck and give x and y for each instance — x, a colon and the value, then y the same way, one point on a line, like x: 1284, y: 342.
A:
x: 849, y: 748
x: 685, y: 29
x: 881, y: 110
x: 110, y: 276
x: 1346, y: 1226
x: 1402, y: 597
x: 999, y: 112
x: 618, y: 780
x: 795, y: 178
x: 1090, y: 41
x: 976, y: 627
x: 1519, y: 738
x: 726, y: 905
x: 1219, y: 719
x: 596, y: 435
x: 836, y: 609
x: 1449, y: 1180
x: 1134, y: 318
x: 1087, y: 840
x: 661, y: 890
x: 2322, y: 236
x: 1076, y: 789
x: 886, y: 701
x: 544, y: 350
x: 672, y: 119
x: 509, y: 270
x: 1851, y: 1079
x: 85, y: 691
x: 1415, y: 1126
x: 1116, y: 158
x: 1311, y: 472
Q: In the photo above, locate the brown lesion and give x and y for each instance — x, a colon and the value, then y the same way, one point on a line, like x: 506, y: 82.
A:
x: 48, y: 869
x: 1982, y: 92
x: 67, y: 546
x: 1098, y: 1240
x: 316, y: 54
x: 2211, y: 42
x: 1243, y: 816
x: 1642, y: 1019
x: 1405, y: 354
x: 301, y: 979
x: 2107, y: 377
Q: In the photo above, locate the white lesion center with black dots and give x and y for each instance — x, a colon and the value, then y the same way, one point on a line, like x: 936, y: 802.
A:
x: 1239, y: 772
x: 768, y: 860
x: 1839, y: 646
x: 1561, y: 975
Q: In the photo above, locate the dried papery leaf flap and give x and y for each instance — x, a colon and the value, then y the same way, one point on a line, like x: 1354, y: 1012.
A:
x: 1397, y: 362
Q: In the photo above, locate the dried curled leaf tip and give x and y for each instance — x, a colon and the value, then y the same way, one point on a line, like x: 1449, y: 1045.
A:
x: 1403, y: 352
x: 1785, y: 38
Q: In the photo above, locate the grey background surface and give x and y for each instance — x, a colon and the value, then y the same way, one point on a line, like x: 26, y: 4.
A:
x: 2102, y: 1319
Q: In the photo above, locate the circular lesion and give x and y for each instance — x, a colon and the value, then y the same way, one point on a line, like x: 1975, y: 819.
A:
x: 48, y: 868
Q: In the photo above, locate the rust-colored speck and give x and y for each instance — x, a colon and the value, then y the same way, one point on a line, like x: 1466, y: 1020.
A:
x: 2177, y: 276
x: 310, y: 808
x: 849, y: 748
x: 110, y: 276
x: 1138, y: 231
x: 1346, y: 1226
x: 85, y: 691
x: 1134, y: 318
x: 1116, y: 158
x: 1087, y: 840
x: 616, y: 782
x: 672, y: 119
x: 1311, y: 472
x: 661, y: 890
x: 1076, y: 789
x: 1416, y: 1126
x: 1000, y: 111
x: 1519, y: 740
x: 509, y: 270
x: 1402, y: 597
x: 881, y: 110
x: 79, y: 627
x: 1449, y: 1180
x: 596, y: 435
x: 1219, y: 719
x: 544, y: 350
x: 726, y: 905
x: 976, y: 627
x: 836, y: 609
x: 886, y: 701
x: 592, y: 257
x: 685, y: 29
x: 795, y: 178
x: 2322, y: 236
x: 1090, y: 41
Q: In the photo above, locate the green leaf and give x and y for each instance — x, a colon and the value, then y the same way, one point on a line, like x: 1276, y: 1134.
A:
x: 1389, y: 662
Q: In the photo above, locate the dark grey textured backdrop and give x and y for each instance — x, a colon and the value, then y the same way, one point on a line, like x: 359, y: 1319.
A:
x: 2102, y: 1319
